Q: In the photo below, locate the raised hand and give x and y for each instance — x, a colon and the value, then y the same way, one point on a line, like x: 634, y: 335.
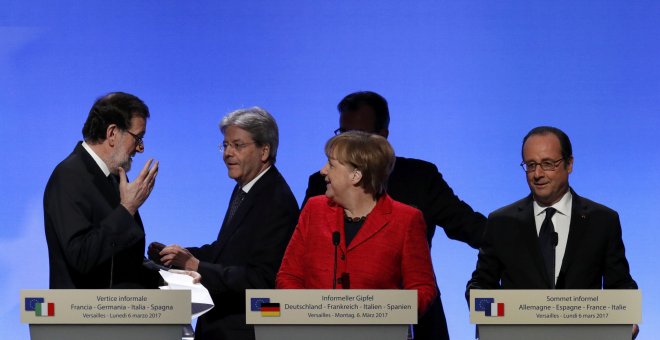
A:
x: 135, y: 193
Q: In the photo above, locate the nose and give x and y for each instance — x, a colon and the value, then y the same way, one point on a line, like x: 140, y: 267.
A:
x: 538, y: 171
x: 324, y: 169
x: 139, y: 148
x: 227, y: 152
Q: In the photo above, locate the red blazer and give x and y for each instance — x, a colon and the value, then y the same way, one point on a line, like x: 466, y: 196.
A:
x: 389, y: 251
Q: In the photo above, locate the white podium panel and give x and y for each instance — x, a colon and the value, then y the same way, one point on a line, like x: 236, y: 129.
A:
x: 555, y: 314
x: 105, y: 314
x: 331, y: 314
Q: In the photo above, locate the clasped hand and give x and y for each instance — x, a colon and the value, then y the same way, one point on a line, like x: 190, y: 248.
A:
x: 172, y: 255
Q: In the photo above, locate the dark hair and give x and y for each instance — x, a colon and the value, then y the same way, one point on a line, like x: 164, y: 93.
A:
x: 564, y: 141
x: 356, y: 100
x: 114, y: 108
x: 370, y: 153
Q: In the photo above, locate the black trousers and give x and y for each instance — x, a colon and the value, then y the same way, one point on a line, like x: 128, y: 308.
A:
x: 432, y: 325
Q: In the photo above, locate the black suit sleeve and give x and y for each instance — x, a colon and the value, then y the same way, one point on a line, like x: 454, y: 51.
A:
x: 617, y: 270
x: 261, y: 257
x: 459, y: 221
x: 489, y: 267
x: 204, y: 253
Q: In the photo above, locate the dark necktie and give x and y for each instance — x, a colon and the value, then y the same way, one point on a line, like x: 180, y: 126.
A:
x: 548, y: 242
x: 235, y: 203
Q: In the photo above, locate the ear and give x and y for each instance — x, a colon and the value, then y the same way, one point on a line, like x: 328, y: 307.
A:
x: 356, y: 176
x: 111, y: 134
x: 265, y: 153
x: 569, y: 165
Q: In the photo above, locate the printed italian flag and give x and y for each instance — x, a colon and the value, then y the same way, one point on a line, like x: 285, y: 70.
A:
x: 44, y: 309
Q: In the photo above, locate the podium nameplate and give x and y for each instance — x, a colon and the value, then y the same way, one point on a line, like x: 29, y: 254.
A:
x: 331, y: 307
x: 105, y: 306
x: 558, y: 306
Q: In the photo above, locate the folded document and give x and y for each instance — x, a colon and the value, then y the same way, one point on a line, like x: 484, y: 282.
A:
x: 200, y: 297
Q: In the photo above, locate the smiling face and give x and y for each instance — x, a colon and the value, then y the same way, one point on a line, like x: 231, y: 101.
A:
x: 548, y: 187
x: 126, y: 145
x: 243, y: 157
x: 339, y: 179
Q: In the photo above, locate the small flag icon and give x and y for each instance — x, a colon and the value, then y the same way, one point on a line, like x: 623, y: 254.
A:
x: 489, y: 306
x: 270, y: 309
x: 44, y: 309
x: 255, y: 303
x: 31, y: 303
x: 497, y: 309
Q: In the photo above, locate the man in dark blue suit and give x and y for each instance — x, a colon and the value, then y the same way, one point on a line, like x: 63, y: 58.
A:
x: 255, y: 232
x: 93, y: 229
x: 552, y: 238
x: 414, y: 182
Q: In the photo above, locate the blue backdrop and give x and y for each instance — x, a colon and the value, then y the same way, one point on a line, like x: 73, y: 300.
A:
x: 465, y: 81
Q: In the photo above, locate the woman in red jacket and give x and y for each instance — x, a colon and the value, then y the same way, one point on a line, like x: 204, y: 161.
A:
x: 381, y: 242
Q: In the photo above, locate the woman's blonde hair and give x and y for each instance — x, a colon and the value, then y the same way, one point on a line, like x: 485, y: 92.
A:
x: 371, y: 154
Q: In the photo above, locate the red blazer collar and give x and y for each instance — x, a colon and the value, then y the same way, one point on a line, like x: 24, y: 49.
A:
x: 377, y: 219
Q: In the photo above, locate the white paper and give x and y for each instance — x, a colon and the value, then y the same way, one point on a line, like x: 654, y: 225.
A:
x: 200, y: 297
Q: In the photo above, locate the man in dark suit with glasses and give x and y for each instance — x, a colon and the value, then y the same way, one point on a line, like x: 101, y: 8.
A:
x: 553, y: 238
x: 93, y: 228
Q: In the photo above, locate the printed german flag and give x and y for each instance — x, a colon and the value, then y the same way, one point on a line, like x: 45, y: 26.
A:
x: 270, y: 309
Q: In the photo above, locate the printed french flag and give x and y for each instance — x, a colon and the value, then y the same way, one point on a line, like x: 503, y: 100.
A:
x: 496, y: 309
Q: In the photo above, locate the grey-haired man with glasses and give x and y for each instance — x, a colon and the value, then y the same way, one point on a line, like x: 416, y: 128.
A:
x: 553, y: 238
x: 260, y: 219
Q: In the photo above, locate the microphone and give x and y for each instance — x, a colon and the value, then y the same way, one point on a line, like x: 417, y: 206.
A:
x: 555, y: 239
x: 336, y: 237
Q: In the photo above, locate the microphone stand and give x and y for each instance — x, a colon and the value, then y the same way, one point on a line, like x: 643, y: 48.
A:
x: 336, y: 237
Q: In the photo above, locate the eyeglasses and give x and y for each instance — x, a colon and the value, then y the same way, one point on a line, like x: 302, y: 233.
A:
x: 236, y: 146
x: 138, y: 139
x: 545, y: 165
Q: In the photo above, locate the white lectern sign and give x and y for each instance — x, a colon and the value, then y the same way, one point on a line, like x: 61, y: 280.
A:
x: 325, y: 307
x: 557, y: 306
x: 105, y: 306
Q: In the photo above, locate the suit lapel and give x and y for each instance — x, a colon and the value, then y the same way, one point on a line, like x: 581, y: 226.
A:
x: 230, y: 227
x: 224, y: 221
x: 530, y: 238
x: 335, y: 222
x: 579, y: 219
x: 377, y: 220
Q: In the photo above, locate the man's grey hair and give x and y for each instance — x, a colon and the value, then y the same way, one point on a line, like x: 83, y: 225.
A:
x: 258, y: 123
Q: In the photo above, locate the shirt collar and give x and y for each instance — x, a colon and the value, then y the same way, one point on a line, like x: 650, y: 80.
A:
x: 563, y: 206
x: 246, y: 188
x: 97, y: 159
